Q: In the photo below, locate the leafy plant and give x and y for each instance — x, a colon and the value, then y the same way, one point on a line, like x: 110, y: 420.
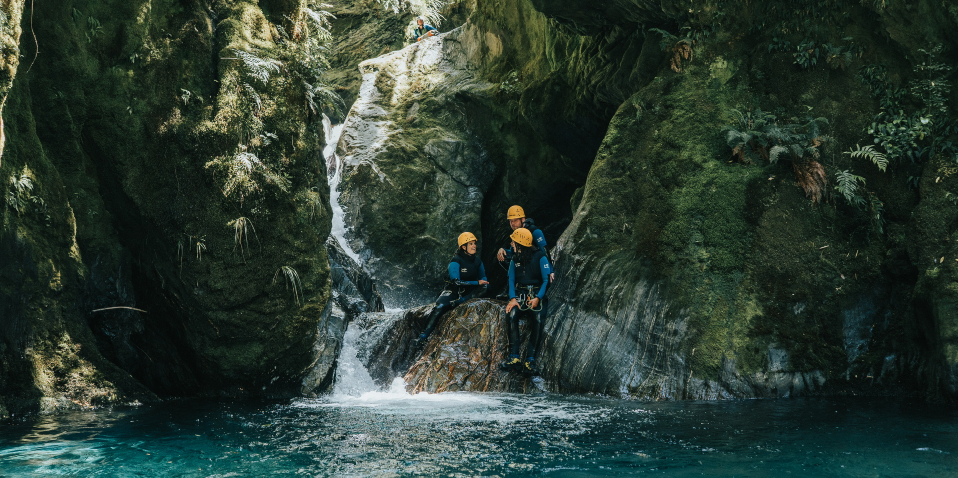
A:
x: 919, y: 133
x: 199, y: 244
x: 243, y: 171
x: 19, y: 195
x: 679, y: 49
x: 241, y: 228
x: 93, y: 29
x: 868, y: 152
x: 429, y: 10
x: 852, y: 188
x: 759, y: 136
x: 257, y: 67
x: 292, y: 280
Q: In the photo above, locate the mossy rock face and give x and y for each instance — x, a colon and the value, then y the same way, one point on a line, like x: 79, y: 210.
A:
x: 131, y: 123
x: 688, y: 274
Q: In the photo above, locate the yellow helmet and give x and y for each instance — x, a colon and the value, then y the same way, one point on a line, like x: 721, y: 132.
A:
x: 465, y: 237
x: 522, y: 236
x: 516, y: 212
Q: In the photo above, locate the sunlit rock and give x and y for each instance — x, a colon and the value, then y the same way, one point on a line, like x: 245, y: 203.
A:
x: 414, y: 175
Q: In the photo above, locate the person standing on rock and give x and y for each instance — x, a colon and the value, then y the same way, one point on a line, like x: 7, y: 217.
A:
x: 424, y: 30
x: 529, y: 272
x: 467, y: 280
x: 517, y: 218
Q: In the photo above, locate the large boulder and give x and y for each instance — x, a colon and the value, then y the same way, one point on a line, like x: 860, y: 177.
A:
x: 462, y: 354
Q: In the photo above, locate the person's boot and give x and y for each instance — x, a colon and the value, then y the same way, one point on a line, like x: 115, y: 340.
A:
x: 529, y: 367
x: 511, y: 364
x: 420, y: 342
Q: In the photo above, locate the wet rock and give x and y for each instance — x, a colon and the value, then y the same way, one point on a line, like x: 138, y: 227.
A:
x: 463, y: 353
x: 326, y: 349
x: 389, y: 345
x: 411, y: 186
x: 354, y: 289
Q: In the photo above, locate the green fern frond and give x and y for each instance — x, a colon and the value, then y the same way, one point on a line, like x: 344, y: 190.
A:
x: 319, y: 20
x: 868, y: 152
x: 259, y: 68
x: 848, y: 185
x: 775, y: 152
x: 320, y: 96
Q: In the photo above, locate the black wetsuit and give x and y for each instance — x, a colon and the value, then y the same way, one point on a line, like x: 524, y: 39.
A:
x: 528, y: 277
x: 538, y: 239
x: 465, y: 272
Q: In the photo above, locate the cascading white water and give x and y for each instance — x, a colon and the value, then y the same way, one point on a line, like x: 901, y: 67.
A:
x: 334, y: 170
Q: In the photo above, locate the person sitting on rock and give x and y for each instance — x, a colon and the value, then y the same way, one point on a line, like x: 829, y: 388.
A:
x: 529, y: 272
x: 517, y: 218
x: 467, y: 279
x: 424, y: 30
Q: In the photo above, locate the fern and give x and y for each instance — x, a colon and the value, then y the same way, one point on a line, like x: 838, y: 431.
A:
x: 242, y: 170
x: 292, y: 280
x: 877, y: 213
x: 256, y: 67
x: 848, y: 185
x: 319, y: 97
x: 20, y: 195
x: 317, y: 23
x: 429, y: 10
x: 868, y: 152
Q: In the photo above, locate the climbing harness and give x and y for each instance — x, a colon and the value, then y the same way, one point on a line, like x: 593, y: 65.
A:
x: 527, y: 293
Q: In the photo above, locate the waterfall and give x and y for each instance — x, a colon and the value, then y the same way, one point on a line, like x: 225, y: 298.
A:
x: 334, y: 168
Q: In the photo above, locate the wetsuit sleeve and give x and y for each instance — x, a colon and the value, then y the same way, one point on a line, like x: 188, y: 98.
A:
x: 512, y: 280
x: 545, y: 269
x: 539, y: 239
x: 482, y: 272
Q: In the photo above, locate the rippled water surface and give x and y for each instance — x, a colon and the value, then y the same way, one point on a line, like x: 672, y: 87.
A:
x: 463, y: 434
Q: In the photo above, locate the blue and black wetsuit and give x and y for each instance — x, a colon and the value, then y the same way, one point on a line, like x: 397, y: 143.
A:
x: 465, y: 272
x: 420, y: 32
x: 528, y: 277
x: 538, y: 240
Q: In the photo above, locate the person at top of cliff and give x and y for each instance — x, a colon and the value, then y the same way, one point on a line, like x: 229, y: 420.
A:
x: 424, y: 30
x: 466, y: 280
x: 529, y: 272
x: 517, y: 219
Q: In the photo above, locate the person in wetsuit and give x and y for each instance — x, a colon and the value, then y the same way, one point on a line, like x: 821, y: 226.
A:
x: 517, y: 218
x: 529, y: 272
x: 424, y: 30
x: 466, y: 280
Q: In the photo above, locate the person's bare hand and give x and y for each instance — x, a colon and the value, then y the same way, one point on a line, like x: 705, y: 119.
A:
x: 501, y: 255
x: 483, y: 282
x: 512, y: 303
x: 533, y: 302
